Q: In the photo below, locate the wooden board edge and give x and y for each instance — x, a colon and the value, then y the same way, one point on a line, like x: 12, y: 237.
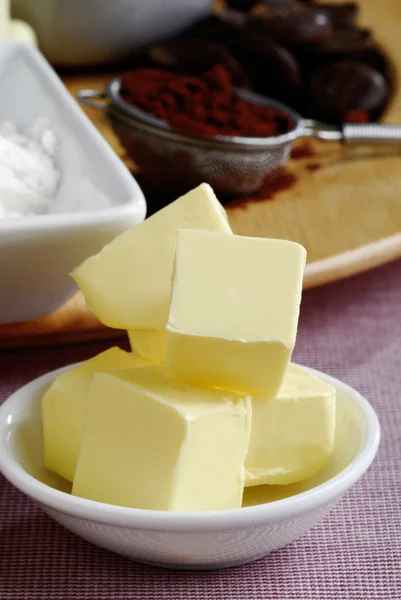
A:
x: 352, y: 262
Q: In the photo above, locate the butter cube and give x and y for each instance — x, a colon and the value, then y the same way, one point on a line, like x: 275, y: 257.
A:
x: 292, y: 435
x: 128, y: 284
x: 234, y: 310
x: 63, y: 408
x: 14, y: 29
x: 4, y: 18
x: 151, y: 344
x: 152, y: 442
x: 20, y: 31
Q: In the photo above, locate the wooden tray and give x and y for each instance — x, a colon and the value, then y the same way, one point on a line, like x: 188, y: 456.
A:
x: 344, y: 207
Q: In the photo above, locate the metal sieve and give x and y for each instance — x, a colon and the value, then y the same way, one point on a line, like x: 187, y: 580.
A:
x: 232, y: 165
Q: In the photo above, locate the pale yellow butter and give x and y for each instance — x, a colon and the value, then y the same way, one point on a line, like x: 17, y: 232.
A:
x: 14, y: 29
x: 152, y: 442
x: 63, y: 408
x: 4, y: 19
x: 151, y: 344
x: 234, y: 310
x: 19, y: 31
x: 128, y: 284
x: 292, y: 435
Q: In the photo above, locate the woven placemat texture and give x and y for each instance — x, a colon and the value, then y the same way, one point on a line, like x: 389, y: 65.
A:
x: 352, y: 330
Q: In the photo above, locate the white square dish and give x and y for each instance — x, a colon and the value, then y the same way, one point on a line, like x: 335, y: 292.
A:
x: 37, y: 253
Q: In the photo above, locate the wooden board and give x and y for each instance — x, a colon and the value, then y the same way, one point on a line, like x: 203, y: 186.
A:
x: 347, y: 213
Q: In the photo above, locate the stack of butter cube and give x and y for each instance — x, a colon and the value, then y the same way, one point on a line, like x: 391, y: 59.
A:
x: 208, y: 402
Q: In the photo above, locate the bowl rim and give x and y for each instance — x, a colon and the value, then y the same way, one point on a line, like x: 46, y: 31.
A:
x: 109, y: 514
x: 76, y: 219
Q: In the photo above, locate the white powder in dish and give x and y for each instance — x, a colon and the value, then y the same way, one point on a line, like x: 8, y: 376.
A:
x: 30, y: 176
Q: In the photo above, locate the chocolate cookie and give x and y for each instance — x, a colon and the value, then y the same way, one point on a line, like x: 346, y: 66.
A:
x: 378, y: 60
x: 279, y: 3
x: 195, y: 56
x: 243, y: 5
x: 293, y: 24
x: 343, y: 42
x: 347, y: 86
x: 271, y: 68
x: 217, y: 28
x: 187, y: 55
x: 340, y: 15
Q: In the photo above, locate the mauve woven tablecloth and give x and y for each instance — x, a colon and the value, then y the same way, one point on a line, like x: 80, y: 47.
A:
x: 352, y: 330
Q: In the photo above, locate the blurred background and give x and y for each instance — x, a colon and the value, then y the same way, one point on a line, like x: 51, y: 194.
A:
x: 224, y: 92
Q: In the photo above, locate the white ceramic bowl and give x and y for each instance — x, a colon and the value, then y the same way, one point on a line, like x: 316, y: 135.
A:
x: 87, y: 32
x: 38, y: 253
x: 273, y: 517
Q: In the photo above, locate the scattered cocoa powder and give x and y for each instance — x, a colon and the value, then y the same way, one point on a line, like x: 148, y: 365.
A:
x: 281, y: 179
x: 304, y: 150
x: 313, y: 166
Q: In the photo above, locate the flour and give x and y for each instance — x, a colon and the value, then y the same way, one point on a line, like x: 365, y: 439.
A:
x: 29, y: 176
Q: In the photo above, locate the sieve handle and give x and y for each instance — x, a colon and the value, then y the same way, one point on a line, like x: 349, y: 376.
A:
x: 92, y: 98
x: 371, y: 133
x: 354, y: 133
